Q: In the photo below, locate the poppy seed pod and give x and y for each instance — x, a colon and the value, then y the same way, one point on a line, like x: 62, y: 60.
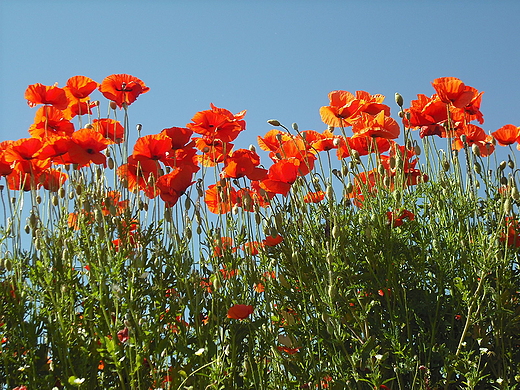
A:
x: 273, y: 122
x: 399, y: 99
x: 113, y: 105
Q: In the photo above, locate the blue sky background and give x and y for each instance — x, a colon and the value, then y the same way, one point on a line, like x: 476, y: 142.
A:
x: 276, y: 59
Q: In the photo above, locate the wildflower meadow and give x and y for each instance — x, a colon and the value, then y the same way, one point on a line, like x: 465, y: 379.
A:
x: 379, y: 252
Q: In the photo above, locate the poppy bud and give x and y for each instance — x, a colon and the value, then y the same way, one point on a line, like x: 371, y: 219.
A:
x: 350, y: 187
x: 508, y: 206
x: 445, y: 164
x: 168, y: 215
x: 335, y: 232
x: 89, y: 126
x: 503, y: 181
x: 399, y: 99
x: 511, y: 163
x: 27, y: 229
x: 502, y: 165
x: 295, y: 126
x: 61, y: 192
x: 54, y: 200
x: 336, y: 142
x: 252, y: 148
x: 344, y: 170
x: 113, y: 105
x: 417, y: 150
x: 515, y: 194
x: 139, y: 127
x: 354, y: 154
x: 477, y: 167
x: 476, y: 150
x: 273, y: 122
x: 39, y: 199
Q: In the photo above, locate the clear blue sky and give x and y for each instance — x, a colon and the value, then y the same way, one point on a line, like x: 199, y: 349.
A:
x: 276, y: 59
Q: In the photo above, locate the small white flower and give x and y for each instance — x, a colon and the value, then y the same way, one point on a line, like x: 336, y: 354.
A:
x: 200, y: 352
x: 378, y: 357
x: 499, y: 381
x: 79, y: 381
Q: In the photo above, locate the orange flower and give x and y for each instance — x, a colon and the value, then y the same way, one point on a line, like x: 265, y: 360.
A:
x: 243, y: 162
x: 218, y: 123
x: 43, y: 94
x: 507, y: 135
x: 428, y: 114
x: 397, y: 218
x: 272, y: 241
x: 474, y: 135
x: 172, y: 185
x: 451, y: 90
x: 378, y: 125
x: 240, y: 312
x: 52, y: 180
x: 50, y: 121
x: 314, y: 197
x: 180, y: 136
x: 273, y: 139
x: 362, y: 145
x: 123, y: 89
x: 86, y: 148
x: 140, y: 175
x: 220, y: 198
x: 152, y: 147
x: 80, y: 86
x: 344, y: 107
x: 110, y: 129
x: 222, y: 245
x: 280, y: 177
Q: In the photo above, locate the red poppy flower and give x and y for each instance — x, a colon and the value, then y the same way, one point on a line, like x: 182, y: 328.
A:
x: 43, y: 94
x: 5, y: 166
x: 272, y: 241
x: 342, y: 109
x: 172, y: 185
x: 110, y: 129
x: 122, y: 335
x: 222, y: 245
x: 50, y: 121
x: 152, y: 147
x: 314, y: 197
x: 180, y: 136
x: 86, y: 147
x: 297, y: 152
x: 220, y: 198
x: 451, y: 90
x: 397, y: 218
x: 80, y: 86
x: 378, y: 125
x: 218, y: 123
x: 52, y: 179
x: 243, y: 162
x: 140, y: 175
x: 122, y: 89
x: 280, y: 177
x: 321, y: 141
x: 428, y: 114
x: 474, y: 135
x: 214, y: 151
x: 273, y: 139
x: 362, y: 145
x: 240, y: 312
x: 507, y: 135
